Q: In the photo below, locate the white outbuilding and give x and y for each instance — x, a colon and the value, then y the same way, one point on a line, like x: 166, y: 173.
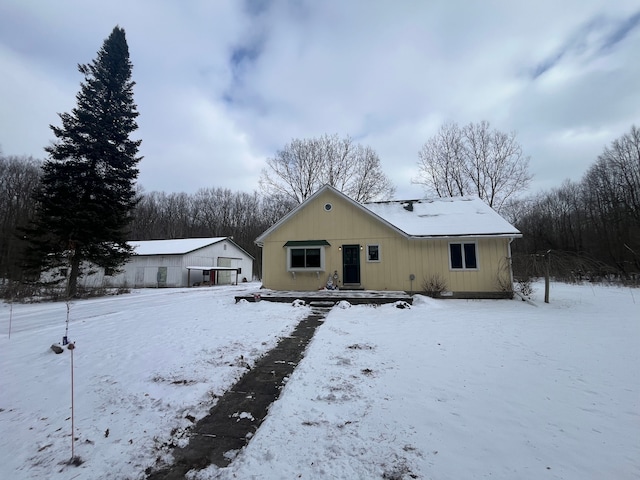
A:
x: 184, y: 262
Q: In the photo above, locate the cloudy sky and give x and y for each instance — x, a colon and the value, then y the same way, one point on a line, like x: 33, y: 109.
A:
x: 224, y: 84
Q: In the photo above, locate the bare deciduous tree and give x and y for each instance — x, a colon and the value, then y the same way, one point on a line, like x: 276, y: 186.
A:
x: 303, y: 166
x: 442, y: 168
x: 19, y: 177
x: 474, y: 160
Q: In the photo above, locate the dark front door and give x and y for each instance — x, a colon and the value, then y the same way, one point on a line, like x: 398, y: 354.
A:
x: 351, y: 264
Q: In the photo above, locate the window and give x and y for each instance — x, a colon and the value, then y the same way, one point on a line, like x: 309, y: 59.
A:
x: 305, y: 258
x: 373, y: 253
x: 305, y: 255
x: 463, y: 256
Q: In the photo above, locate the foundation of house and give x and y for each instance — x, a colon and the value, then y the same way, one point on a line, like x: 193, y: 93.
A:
x: 330, y: 297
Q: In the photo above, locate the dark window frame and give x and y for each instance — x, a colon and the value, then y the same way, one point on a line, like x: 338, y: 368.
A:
x: 305, y: 258
x: 463, y: 256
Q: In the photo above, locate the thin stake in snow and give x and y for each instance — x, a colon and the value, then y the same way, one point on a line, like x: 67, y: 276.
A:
x: 71, y: 347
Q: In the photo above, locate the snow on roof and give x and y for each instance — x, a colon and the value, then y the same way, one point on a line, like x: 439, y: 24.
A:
x: 441, y: 217
x: 461, y: 216
x: 209, y: 268
x: 172, y: 247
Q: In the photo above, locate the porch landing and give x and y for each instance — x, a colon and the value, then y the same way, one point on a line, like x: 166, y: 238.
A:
x: 354, y: 297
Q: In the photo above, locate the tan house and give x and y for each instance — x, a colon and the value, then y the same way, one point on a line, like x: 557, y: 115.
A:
x: 457, y: 247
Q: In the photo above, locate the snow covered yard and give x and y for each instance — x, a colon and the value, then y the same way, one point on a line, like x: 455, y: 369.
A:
x: 143, y: 364
x: 462, y: 389
x: 447, y: 389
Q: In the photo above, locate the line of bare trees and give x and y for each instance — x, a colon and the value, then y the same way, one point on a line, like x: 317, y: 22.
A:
x: 592, y: 225
x: 158, y: 215
x: 207, y: 213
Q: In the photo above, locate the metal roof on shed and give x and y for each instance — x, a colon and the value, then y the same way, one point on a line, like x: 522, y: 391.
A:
x: 176, y: 246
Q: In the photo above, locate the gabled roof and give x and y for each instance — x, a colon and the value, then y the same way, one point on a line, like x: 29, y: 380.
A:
x: 293, y: 212
x: 177, y: 246
x: 442, y: 217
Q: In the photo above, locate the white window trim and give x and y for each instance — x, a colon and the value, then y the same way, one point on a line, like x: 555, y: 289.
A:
x: 464, y: 259
x: 313, y: 269
x: 379, y: 251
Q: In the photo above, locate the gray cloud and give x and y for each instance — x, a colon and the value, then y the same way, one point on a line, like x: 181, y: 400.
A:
x: 597, y: 37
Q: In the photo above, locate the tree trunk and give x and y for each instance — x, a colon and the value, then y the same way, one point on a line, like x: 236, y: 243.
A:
x: 72, y: 282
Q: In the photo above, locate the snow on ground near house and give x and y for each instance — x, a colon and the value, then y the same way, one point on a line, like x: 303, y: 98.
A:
x: 454, y: 389
x: 447, y: 389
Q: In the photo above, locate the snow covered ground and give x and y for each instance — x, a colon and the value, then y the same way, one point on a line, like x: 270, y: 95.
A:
x: 447, y: 389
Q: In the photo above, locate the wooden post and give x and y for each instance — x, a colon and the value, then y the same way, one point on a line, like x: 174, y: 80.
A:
x: 10, y: 305
x: 10, y: 315
x: 546, y: 276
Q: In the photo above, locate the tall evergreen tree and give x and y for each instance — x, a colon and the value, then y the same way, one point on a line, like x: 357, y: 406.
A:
x: 87, y: 192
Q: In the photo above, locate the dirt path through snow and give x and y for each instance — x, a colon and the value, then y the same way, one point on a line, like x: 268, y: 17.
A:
x: 230, y: 424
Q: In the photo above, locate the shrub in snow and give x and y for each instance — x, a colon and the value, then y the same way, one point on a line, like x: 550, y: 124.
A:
x: 299, y: 303
x: 434, y: 285
x: 524, y: 286
x: 402, y: 304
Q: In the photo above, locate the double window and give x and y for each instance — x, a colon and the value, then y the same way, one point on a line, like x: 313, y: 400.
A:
x: 463, y: 256
x: 305, y: 255
x: 305, y: 258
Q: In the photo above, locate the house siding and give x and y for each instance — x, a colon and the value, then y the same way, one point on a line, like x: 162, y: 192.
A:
x: 346, y: 224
